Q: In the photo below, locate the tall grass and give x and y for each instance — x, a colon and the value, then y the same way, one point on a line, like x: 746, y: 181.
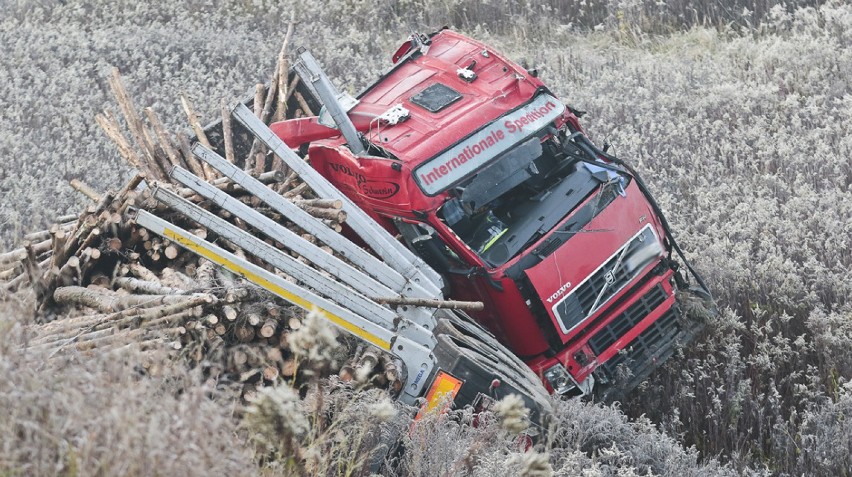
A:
x: 100, y: 415
x: 737, y: 114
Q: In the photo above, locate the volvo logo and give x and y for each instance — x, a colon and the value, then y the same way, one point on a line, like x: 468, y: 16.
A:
x: 559, y: 292
x: 609, y: 277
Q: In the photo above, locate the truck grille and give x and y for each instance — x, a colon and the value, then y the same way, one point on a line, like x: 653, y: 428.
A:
x: 656, y: 340
x: 611, y: 277
x: 626, y: 321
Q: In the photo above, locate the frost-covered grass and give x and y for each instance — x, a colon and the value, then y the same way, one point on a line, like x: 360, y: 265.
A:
x: 741, y: 129
x: 99, y: 415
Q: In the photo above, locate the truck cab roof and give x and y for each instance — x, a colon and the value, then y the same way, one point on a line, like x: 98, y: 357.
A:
x: 450, y: 87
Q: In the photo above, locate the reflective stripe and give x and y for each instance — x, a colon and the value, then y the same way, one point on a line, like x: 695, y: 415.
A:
x: 493, y: 239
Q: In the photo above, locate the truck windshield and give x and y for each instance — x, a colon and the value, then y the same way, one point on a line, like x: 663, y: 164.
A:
x: 523, y: 194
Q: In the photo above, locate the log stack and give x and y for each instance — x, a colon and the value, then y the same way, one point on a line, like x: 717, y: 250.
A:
x: 102, y: 283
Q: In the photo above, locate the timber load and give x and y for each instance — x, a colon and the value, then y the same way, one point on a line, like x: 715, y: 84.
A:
x: 103, y: 283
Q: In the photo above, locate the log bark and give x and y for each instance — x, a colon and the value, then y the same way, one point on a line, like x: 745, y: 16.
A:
x: 335, y: 215
x: 193, y: 162
x: 292, y: 87
x: 110, y: 302
x: 37, y: 236
x: 15, y: 283
x: 112, y: 128
x: 137, y: 128
x: 163, y: 137
x: 85, y: 189
x: 299, y: 189
x: 126, y: 191
x: 428, y: 303
x: 192, y: 117
x: 143, y: 273
x: 82, y: 232
x: 85, y: 343
x: 135, y: 285
x: 34, y: 272
x: 19, y: 253
x: 227, y: 133
x: 283, y: 72
x: 321, y: 203
x: 205, y: 275
x: 17, y: 269
x: 251, y: 159
x: 303, y: 104
x: 70, y: 273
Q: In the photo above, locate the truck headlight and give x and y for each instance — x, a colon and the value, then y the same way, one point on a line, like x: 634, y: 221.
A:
x: 644, y: 249
x: 559, y: 379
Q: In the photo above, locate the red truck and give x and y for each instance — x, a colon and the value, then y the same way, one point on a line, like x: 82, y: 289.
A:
x: 490, y: 179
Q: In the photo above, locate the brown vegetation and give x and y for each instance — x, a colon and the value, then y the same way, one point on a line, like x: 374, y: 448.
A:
x: 740, y: 127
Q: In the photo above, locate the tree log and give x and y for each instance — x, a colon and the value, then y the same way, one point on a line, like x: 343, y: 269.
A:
x: 18, y: 254
x: 321, y: 203
x: 257, y: 107
x: 289, y: 368
x: 302, y: 187
x: 110, y: 302
x: 244, y: 334
x: 163, y: 137
x: 147, y: 287
x: 267, y: 330
x: 227, y: 134
x: 323, y: 213
x: 137, y: 128
x: 193, y: 162
x: 270, y: 373
x: 85, y: 189
x: 303, y: 104
x: 229, y: 312
x: 143, y: 273
x: 192, y: 117
x: 428, y: 303
x: 17, y: 269
x: 253, y: 319
x: 111, y: 127
x: 125, y: 318
x: 283, y: 72
x: 34, y: 272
